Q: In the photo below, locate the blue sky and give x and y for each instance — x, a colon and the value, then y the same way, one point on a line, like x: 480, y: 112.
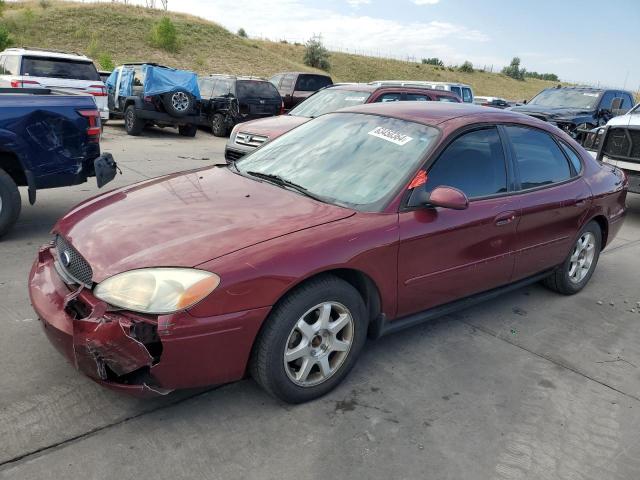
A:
x: 584, y: 41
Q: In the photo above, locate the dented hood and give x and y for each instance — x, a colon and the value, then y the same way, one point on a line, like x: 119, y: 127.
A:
x: 186, y: 219
x: 272, y: 127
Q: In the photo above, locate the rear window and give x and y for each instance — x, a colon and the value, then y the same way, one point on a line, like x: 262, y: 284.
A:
x: 311, y: 83
x: 253, y: 88
x: 59, y: 68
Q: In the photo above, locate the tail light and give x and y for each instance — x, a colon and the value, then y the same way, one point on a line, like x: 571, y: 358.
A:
x: 24, y: 83
x: 97, y: 90
x: 94, y: 128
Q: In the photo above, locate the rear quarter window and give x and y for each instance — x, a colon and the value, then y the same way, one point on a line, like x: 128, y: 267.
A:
x: 311, y: 83
x: 12, y: 65
x: 59, y: 68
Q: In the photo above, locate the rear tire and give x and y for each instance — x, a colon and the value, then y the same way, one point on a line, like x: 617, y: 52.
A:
x: 132, y: 124
x: 310, y: 341
x: 188, y: 130
x: 10, y: 202
x: 218, y: 128
x: 576, y: 271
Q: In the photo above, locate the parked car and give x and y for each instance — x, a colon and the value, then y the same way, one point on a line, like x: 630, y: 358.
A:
x: 618, y: 144
x: 246, y: 137
x: 150, y: 94
x: 494, y: 102
x: 60, y: 71
x: 363, y: 221
x: 577, y: 110
x: 228, y: 100
x: 294, y: 87
x: 104, y: 74
x: 47, y: 141
x: 464, y: 91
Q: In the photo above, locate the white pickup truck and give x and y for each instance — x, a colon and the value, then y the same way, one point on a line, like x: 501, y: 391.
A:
x: 618, y: 143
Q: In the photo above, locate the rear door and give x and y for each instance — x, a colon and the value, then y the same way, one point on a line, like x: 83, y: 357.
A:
x: 448, y: 254
x: 553, y: 199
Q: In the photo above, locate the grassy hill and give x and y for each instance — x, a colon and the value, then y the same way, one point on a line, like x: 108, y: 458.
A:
x: 122, y: 33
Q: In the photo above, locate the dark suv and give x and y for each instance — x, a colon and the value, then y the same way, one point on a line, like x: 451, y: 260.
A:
x: 150, y: 94
x: 294, y: 87
x: 228, y: 100
x: 577, y: 110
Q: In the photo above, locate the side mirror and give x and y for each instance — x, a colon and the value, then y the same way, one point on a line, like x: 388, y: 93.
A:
x: 443, y: 196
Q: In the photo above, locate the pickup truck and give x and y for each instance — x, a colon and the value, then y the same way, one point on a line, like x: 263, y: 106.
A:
x: 47, y: 141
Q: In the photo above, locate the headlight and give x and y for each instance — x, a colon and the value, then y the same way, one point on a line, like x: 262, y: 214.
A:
x: 157, y: 290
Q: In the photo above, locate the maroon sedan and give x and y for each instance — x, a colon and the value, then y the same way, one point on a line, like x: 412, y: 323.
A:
x: 247, y: 136
x: 363, y: 221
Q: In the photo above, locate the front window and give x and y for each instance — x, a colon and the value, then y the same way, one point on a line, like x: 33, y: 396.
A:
x: 327, y: 101
x: 566, y: 98
x: 59, y: 68
x: 349, y: 159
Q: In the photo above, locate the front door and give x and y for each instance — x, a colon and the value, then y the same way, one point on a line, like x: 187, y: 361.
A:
x: 447, y: 254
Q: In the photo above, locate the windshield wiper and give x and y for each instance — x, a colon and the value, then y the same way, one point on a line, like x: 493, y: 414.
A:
x: 282, y: 182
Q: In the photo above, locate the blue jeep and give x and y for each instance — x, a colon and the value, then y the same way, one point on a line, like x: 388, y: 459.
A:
x: 149, y: 94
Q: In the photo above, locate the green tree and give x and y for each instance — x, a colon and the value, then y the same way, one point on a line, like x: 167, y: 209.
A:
x: 164, y: 35
x: 466, y: 67
x: 433, y: 61
x: 106, y: 62
x: 242, y: 33
x: 5, y: 38
x: 514, y: 70
x: 315, y: 54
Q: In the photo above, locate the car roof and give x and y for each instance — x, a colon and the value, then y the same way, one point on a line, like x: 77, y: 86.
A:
x: 417, y: 83
x: 435, y: 113
x: 368, y: 87
x: 302, y: 73
x: 39, y: 52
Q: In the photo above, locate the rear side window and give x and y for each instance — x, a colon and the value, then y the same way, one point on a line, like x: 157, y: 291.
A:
x: 222, y: 88
x: 466, y: 95
x: 311, y: 83
x: 12, y: 65
x: 59, y: 68
x: 417, y: 97
x: 389, y: 97
x: 2, y: 72
x: 538, y: 157
x: 206, y: 87
x: 276, y: 80
x: 627, y: 101
x: 256, y: 89
x: 474, y: 163
x: 573, y: 157
x: 457, y: 91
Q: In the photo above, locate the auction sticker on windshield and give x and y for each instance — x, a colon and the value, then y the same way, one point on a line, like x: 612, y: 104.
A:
x: 390, y: 135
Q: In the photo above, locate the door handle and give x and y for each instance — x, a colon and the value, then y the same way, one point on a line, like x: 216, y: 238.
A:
x: 505, y: 218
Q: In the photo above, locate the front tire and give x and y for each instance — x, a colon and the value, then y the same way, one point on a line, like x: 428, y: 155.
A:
x: 576, y: 271
x: 10, y: 202
x: 310, y: 341
x: 132, y: 124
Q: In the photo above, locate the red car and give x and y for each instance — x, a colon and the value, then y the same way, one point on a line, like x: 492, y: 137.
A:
x: 246, y: 137
x: 363, y: 221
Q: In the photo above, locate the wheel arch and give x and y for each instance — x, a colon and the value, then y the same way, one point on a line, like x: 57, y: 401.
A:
x: 11, y: 164
x: 603, y: 223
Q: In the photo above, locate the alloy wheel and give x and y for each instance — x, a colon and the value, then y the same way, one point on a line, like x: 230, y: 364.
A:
x: 582, y: 257
x: 318, y: 344
x: 180, y: 101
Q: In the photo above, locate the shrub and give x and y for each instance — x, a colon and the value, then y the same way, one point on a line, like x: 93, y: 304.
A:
x: 106, y: 62
x: 93, y: 50
x: 315, y: 55
x: 5, y: 38
x: 433, y: 61
x: 242, y: 33
x: 44, y: 4
x: 514, y: 70
x: 542, y: 76
x: 164, y: 35
x: 466, y: 67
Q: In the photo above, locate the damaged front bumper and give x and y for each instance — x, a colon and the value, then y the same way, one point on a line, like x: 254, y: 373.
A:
x: 144, y: 356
